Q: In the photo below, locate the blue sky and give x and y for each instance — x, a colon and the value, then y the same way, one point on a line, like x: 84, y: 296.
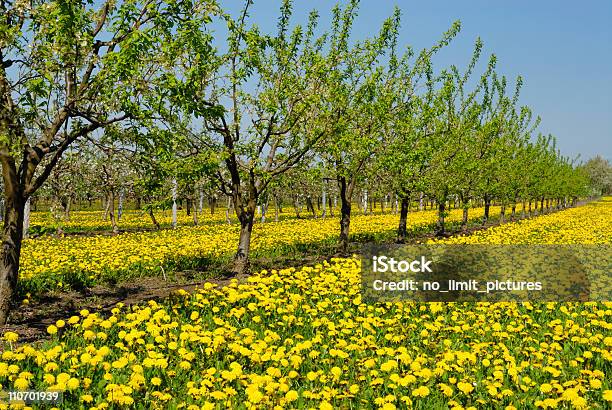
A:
x: 563, y: 49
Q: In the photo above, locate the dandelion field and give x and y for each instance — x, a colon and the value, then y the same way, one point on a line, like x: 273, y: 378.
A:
x: 302, y: 337
x: 62, y: 262
x: 212, y: 204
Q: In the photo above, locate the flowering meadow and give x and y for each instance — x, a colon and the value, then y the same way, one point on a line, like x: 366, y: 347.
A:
x: 91, y: 221
x: 140, y: 142
x: 55, y: 262
x: 585, y: 225
x: 303, y: 338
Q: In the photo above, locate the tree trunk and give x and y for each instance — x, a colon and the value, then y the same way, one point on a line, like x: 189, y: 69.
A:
x: 513, y: 214
x: 106, y: 208
x: 276, y: 210
x: 296, y: 206
x: 421, y: 201
x: 364, y: 202
x: 324, y: 202
x: 195, y: 215
x: 246, y: 218
x: 152, y: 215
x: 529, y: 210
x: 12, y: 236
x: 119, y: 208
x: 26, y: 218
x: 310, y: 206
x: 464, y: 218
x: 264, y: 208
x: 227, y: 211
x: 502, y: 213
x: 402, y: 229
x: 440, y: 227
x: 487, y: 208
x: 212, y: 201
x: 174, y: 205
x: 111, y: 213
x: 67, y: 209
x: 188, y: 206
x: 541, y: 205
x: 345, y: 212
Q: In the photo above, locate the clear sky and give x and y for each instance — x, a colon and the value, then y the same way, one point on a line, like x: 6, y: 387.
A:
x: 562, y: 48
